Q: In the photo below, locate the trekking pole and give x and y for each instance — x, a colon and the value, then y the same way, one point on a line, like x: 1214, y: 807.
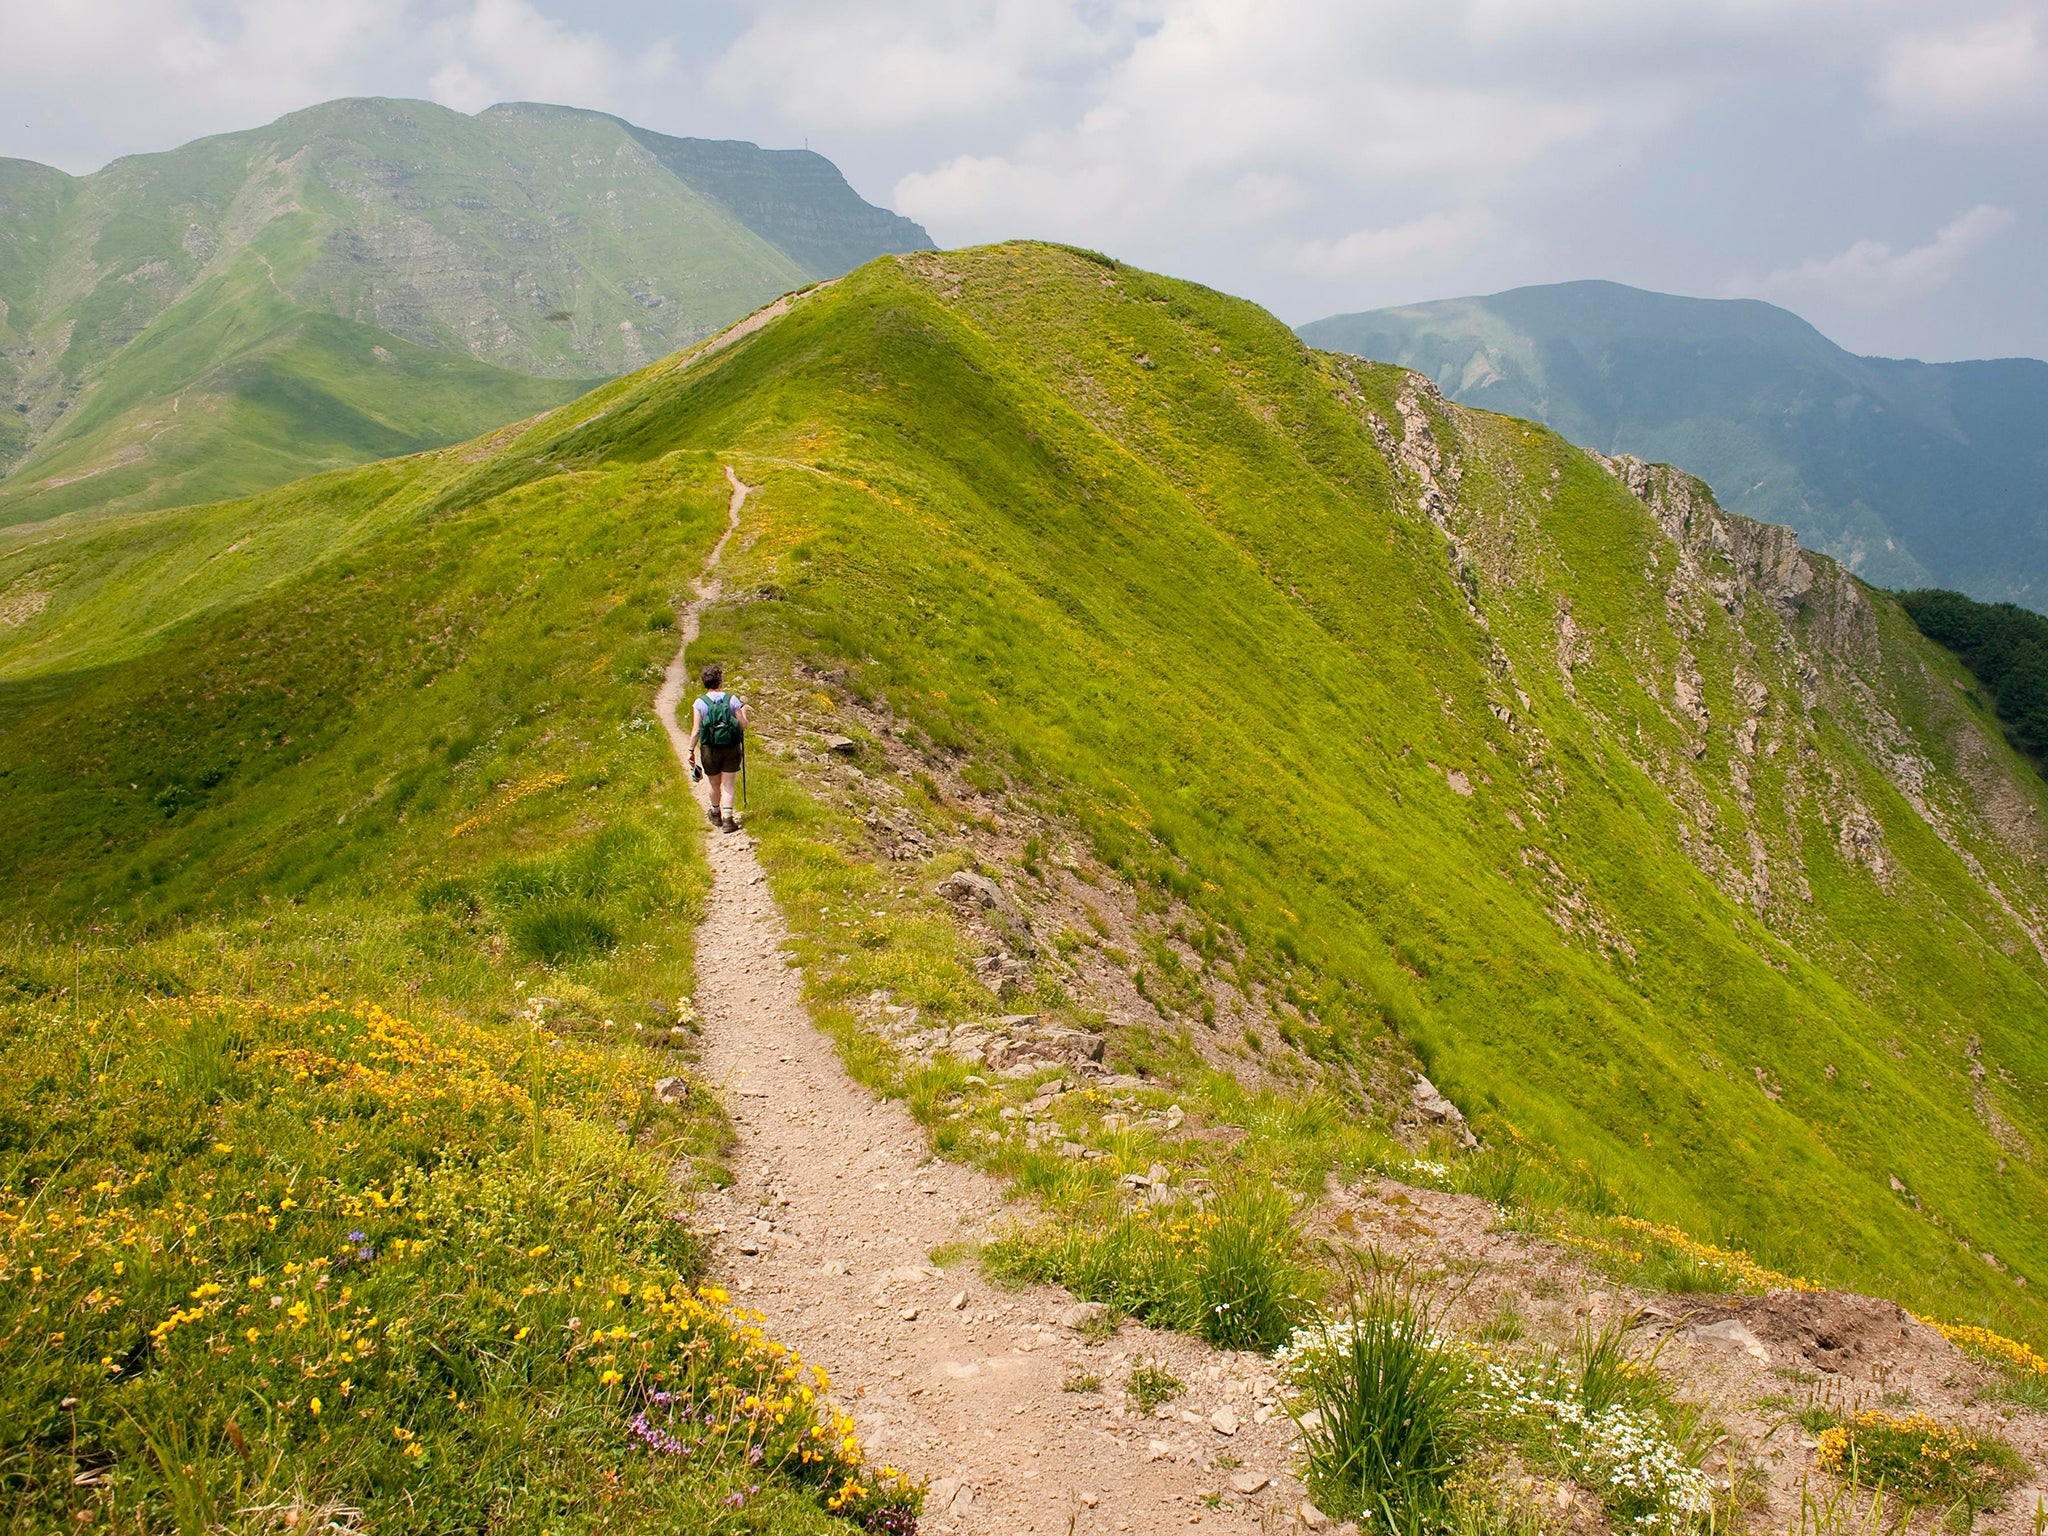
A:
x: 743, y: 781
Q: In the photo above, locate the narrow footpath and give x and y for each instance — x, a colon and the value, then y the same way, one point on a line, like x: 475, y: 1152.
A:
x: 829, y: 1229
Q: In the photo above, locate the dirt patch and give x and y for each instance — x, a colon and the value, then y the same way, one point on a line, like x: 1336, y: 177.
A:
x: 20, y: 604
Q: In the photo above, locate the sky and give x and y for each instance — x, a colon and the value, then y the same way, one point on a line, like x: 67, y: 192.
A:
x: 1878, y: 166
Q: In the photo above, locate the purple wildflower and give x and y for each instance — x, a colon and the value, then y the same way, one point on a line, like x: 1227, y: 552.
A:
x: 656, y: 1438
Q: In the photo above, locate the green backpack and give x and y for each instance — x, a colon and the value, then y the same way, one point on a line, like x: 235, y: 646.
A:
x: 720, y: 727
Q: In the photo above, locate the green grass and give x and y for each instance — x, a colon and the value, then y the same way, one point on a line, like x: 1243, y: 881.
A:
x: 1920, y: 1463
x: 1386, y: 1412
x: 446, y: 800
x: 1229, y: 1272
x: 1606, y: 1373
x: 1053, y: 573
x: 2025, y: 1389
x: 1411, y: 1427
x: 1506, y: 1326
x: 1151, y: 1385
x: 315, y: 1255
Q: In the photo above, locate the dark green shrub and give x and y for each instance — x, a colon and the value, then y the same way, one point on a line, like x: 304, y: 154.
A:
x: 2006, y: 649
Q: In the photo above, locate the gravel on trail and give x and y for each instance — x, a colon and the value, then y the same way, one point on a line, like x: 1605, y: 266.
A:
x: 829, y: 1227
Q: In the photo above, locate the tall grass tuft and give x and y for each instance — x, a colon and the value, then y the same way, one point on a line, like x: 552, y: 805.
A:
x: 1605, y: 1374
x: 562, y: 932
x: 1245, y: 1290
x: 1230, y: 1273
x: 1503, y: 1176
x: 1847, y: 1509
x: 1383, y: 1409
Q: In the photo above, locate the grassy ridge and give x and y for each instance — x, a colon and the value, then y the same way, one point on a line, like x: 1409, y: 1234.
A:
x: 360, y: 712
x: 1122, y: 548
x: 1048, y: 525
x: 1913, y: 474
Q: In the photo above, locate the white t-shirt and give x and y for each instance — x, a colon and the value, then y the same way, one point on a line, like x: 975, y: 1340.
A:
x: 697, y: 708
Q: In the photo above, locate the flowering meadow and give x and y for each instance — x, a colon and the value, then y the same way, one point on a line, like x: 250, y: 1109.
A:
x: 1920, y: 1461
x: 318, y: 1262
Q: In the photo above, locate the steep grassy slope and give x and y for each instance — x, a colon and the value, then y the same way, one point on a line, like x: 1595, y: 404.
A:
x: 367, y: 277
x: 333, y: 1176
x: 1911, y: 474
x: 234, y: 389
x: 1672, y: 850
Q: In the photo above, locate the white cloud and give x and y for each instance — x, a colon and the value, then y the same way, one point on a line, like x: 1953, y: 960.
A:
x: 100, y: 76
x: 1225, y: 114
x: 1234, y: 140
x: 1997, y: 69
x: 895, y: 62
x: 1871, y: 275
x: 115, y: 70
x: 1394, y: 252
x: 505, y: 50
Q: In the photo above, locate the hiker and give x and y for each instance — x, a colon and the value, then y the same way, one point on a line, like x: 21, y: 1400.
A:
x: 718, y: 737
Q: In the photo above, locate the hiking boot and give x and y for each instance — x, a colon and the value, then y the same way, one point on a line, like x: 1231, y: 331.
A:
x: 732, y: 823
x: 712, y: 815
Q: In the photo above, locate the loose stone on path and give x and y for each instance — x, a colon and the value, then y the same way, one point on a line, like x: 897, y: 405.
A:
x: 835, y: 1209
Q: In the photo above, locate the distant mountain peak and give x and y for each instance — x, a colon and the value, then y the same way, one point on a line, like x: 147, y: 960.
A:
x: 1912, y: 474
x: 371, y: 276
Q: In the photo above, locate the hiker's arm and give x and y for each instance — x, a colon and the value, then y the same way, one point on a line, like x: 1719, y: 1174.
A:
x: 695, y: 726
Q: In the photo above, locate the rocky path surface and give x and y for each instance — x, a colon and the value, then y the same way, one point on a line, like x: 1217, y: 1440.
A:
x: 830, y: 1227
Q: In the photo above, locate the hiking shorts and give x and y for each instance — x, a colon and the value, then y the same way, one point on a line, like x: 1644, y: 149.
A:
x: 721, y: 759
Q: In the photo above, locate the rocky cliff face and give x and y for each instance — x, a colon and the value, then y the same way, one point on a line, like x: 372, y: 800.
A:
x: 1911, y: 474
x: 1769, y: 651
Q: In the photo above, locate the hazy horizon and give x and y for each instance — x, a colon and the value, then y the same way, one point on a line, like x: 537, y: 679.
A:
x: 1874, y: 169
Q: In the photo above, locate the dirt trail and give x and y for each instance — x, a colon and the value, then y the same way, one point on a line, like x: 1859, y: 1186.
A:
x: 828, y: 1230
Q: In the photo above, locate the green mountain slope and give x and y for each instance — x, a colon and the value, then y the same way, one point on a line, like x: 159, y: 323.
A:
x: 369, y: 277
x: 1911, y: 474
x: 1673, y: 852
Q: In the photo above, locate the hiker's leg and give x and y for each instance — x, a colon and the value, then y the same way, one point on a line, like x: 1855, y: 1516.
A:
x: 721, y: 790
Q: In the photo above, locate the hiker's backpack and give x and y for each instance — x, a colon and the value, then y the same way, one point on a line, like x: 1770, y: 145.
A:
x: 721, y: 727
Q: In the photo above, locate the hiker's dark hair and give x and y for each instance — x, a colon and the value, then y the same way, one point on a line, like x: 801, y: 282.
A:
x: 713, y: 675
